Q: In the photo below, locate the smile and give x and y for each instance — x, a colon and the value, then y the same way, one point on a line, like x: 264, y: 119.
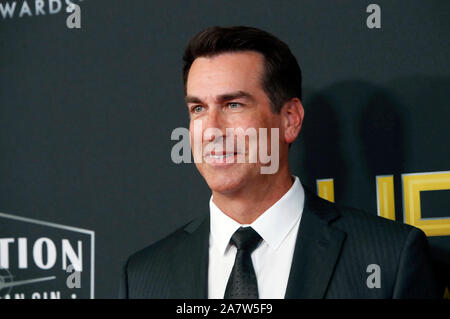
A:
x: 220, y: 158
x: 223, y: 156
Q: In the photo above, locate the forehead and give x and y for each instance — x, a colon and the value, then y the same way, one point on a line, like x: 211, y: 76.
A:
x: 231, y: 71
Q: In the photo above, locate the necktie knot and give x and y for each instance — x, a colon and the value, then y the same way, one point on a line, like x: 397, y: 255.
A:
x: 246, y: 238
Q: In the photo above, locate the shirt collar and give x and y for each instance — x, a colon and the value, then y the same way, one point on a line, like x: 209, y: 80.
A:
x: 273, y: 225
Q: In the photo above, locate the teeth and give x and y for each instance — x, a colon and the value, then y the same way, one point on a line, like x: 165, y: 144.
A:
x: 221, y: 156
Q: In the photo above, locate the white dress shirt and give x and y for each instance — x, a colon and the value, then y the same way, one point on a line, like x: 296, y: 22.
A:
x: 278, y: 227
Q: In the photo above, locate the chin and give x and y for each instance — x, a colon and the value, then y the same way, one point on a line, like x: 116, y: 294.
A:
x: 224, y: 187
x: 226, y: 181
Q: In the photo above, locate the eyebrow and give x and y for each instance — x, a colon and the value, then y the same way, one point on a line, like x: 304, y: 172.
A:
x: 222, y: 97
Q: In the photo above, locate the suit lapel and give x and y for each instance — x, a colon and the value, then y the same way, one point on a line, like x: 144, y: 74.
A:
x: 190, y: 265
x: 316, y: 251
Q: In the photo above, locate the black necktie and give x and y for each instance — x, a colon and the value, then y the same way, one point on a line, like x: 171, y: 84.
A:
x: 242, y: 283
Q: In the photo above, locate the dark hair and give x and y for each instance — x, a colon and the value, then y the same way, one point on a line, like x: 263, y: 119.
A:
x: 282, y: 78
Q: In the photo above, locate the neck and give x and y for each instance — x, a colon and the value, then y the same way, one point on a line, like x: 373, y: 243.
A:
x: 251, y: 201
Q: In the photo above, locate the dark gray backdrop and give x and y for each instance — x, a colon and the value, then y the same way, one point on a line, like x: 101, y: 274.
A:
x: 86, y: 115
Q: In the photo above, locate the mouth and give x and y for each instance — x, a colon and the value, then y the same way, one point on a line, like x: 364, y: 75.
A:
x: 220, y: 158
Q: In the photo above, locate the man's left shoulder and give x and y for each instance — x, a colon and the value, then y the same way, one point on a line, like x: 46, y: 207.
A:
x: 400, y: 251
x: 353, y: 220
x: 381, y: 235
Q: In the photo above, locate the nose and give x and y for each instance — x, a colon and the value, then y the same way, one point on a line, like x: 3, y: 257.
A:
x: 212, y: 125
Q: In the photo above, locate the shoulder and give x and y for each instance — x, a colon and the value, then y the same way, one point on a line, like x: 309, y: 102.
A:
x: 355, y: 221
x: 364, y: 230
x: 158, y: 250
x: 164, y: 251
x: 156, y: 271
x: 378, y: 238
x: 399, y: 251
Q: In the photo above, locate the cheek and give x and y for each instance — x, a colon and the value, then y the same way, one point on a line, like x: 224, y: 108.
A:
x: 195, y: 138
x: 195, y: 131
x: 248, y: 121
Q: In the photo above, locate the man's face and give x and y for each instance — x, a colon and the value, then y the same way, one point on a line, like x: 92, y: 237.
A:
x: 225, y: 91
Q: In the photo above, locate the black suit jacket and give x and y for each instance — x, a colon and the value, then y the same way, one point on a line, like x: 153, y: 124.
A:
x: 334, y: 247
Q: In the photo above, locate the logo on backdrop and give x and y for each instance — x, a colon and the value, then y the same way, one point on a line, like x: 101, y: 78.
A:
x: 42, y: 260
x: 374, y: 19
x: 74, y: 19
x: 31, y: 8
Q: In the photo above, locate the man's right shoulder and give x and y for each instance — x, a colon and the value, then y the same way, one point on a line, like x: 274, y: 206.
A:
x: 151, y: 272
x: 162, y: 250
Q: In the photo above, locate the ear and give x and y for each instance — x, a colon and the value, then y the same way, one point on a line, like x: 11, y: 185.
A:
x: 292, y: 116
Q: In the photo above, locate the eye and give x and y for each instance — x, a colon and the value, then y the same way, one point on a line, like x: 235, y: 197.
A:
x: 234, y: 105
x: 197, y: 109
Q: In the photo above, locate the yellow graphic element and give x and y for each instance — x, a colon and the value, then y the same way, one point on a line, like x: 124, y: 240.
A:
x: 325, y: 189
x: 385, y: 197
x: 446, y: 293
x: 413, y: 184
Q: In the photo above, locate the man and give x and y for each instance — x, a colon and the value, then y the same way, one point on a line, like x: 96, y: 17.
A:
x: 266, y: 236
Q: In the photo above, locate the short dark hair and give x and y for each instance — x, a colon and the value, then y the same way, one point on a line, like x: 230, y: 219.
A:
x: 282, y: 78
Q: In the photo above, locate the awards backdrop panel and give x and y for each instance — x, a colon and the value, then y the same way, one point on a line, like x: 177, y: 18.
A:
x: 91, y: 91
